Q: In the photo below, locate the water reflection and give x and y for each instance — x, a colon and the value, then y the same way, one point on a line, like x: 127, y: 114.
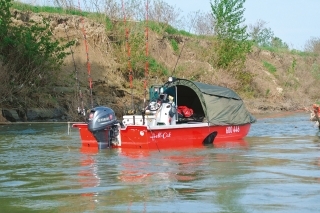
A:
x: 317, y: 145
x: 89, y: 178
x: 88, y: 174
x: 241, y: 144
x: 148, y: 176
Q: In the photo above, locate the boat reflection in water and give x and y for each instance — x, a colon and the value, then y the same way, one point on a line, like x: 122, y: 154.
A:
x: 136, y: 170
x: 88, y: 175
x: 135, y: 165
x: 125, y: 176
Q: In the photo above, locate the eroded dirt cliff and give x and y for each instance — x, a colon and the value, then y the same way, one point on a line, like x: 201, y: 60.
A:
x: 290, y: 86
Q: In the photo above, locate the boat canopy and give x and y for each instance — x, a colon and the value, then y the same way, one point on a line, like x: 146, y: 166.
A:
x: 219, y: 105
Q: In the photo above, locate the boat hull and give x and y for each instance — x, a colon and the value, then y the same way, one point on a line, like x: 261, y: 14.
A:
x: 167, y: 137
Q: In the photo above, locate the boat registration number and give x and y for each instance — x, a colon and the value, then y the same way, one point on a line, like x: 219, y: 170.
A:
x: 232, y: 129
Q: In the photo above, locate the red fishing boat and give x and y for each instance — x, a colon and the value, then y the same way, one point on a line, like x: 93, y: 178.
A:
x: 181, y: 113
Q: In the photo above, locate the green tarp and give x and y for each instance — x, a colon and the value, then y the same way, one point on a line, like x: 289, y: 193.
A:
x: 220, y: 105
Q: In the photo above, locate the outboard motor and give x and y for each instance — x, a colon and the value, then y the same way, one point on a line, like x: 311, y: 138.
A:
x: 103, y: 125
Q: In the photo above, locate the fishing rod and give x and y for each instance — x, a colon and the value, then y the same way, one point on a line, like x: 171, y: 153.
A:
x: 174, y: 69
x: 146, y: 72
x: 87, y: 55
x: 128, y: 55
x: 81, y: 109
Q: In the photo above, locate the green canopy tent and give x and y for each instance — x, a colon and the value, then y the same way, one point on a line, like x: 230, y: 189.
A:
x: 220, y: 105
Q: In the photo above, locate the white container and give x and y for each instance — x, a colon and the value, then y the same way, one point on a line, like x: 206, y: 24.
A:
x: 137, y: 120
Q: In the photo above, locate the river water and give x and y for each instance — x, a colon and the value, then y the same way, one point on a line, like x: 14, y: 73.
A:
x: 276, y: 168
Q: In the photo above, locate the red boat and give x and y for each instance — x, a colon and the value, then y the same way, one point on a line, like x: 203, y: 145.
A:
x: 181, y: 113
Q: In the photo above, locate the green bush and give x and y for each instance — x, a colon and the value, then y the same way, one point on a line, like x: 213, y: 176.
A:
x: 31, y: 57
x: 157, y: 68
x: 272, y: 69
x: 174, y: 45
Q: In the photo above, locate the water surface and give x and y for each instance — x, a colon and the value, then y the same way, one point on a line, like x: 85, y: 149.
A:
x: 275, y: 169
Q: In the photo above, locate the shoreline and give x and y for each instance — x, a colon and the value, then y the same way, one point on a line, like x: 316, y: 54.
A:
x: 257, y: 115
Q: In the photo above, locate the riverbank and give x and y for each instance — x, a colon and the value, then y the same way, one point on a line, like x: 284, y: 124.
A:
x: 283, y: 80
x: 256, y: 108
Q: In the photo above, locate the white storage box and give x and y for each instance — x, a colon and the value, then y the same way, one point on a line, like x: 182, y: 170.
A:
x: 137, y: 120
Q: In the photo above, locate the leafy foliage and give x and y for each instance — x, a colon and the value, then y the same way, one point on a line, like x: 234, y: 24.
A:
x: 162, y: 27
x: 261, y: 35
x: 232, y: 39
x: 4, y: 17
x: 278, y: 43
x: 233, y: 44
x: 32, y: 59
x: 228, y: 16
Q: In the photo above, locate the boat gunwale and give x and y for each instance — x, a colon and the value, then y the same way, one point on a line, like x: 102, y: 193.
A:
x: 180, y: 126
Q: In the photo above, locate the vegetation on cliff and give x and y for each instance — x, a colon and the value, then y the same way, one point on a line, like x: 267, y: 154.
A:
x: 31, y: 59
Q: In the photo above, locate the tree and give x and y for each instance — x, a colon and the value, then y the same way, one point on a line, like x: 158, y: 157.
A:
x: 261, y: 35
x: 233, y: 44
x: 202, y: 23
x: 313, y: 45
x: 162, y: 12
x: 278, y: 43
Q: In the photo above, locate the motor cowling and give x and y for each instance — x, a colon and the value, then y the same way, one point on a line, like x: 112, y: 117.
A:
x: 103, y: 124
